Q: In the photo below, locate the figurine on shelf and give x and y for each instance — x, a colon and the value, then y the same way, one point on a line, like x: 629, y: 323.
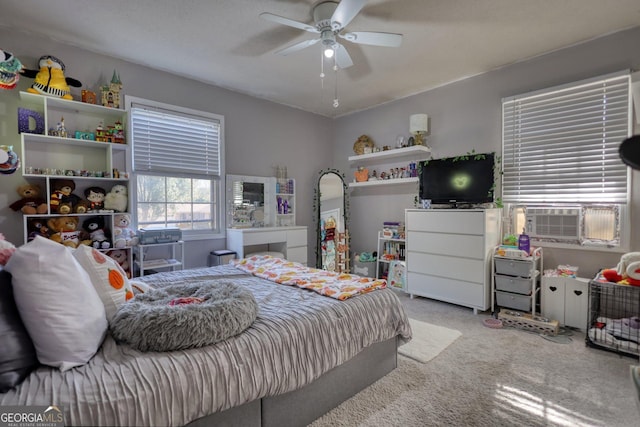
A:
x: 362, y: 174
x: 100, y: 133
x: 118, y: 133
x: 88, y: 96
x: 111, y: 92
x: 61, y: 129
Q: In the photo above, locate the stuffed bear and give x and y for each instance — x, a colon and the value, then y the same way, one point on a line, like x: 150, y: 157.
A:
x: 62, y: 200
x: 31, y: 201
x: 37, y: 227
x: 123, y: 236
x: 65, y: 231
x: 95, y: 227
x: 122, y: 258
x: 117, y: 198
x: 6, y: 250
x: 95, y: 197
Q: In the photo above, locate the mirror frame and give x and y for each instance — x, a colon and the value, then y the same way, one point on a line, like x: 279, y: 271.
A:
x: 316, y: 208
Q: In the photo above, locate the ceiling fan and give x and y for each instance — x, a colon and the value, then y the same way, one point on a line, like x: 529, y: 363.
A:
x: 330, y: 18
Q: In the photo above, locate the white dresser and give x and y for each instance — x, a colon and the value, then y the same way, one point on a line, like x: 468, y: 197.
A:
x: 448, y: 254
x: 290, y: 241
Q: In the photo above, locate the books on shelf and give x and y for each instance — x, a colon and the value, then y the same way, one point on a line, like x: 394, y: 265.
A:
x: 392, y: 251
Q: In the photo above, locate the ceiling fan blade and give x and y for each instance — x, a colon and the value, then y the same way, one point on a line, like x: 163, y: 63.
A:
x: 296, y: 47
x: 343, y: 60
x: 345, y: 12
x: 289, y: 22
x: 373, y: 38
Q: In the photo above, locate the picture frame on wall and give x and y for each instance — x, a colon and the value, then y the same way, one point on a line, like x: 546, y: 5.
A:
x: 397, y: 274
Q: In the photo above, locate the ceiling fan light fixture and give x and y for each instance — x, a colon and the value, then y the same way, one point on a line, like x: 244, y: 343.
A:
x: 330, y: 17
x: 328, y: 52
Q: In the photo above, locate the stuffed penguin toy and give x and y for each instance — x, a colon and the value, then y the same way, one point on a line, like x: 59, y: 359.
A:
x: 50, y: 79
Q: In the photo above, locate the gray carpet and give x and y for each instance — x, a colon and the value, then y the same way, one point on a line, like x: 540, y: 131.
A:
x: 495, y: 377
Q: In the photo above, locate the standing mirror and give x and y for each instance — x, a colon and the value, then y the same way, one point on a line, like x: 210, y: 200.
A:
x: 332, y: 235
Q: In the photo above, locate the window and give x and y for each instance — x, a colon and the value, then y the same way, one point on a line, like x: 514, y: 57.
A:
x: 562, y: 176
x: 178, y: 165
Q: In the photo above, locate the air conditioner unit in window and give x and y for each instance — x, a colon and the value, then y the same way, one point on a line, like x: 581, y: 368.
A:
x: 553, y: 223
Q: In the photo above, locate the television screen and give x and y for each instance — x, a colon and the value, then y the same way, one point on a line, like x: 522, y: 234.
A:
x: 458, y: 181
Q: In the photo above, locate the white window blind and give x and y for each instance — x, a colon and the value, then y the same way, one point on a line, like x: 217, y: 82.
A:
x: 561, y: 144
x: 173, y: 142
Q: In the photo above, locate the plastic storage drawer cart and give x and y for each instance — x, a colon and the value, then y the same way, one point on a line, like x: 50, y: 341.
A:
x: 614, y: 317
x: 515, y: 280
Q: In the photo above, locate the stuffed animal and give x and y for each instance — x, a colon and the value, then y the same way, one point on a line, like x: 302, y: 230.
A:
x: 37, y: 227
x: 123, y: 235
x: 10, y: 68
x: 95, y: 196
x: 9, y: 160
x: 62, y: 199
x: 50, y: 79
x: 122, y: 258
x: 65, y: 231
x: 627, y: 272
x: 6, y: 250
x: 117, y: 198
x: 95, y: 227
x: 31, y: 202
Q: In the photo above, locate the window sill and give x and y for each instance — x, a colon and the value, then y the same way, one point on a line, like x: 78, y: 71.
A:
x: 608, y: 249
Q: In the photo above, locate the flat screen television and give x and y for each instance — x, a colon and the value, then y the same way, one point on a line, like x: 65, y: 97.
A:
x: 458, y: 180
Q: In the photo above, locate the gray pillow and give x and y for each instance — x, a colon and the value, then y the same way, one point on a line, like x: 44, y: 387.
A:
x: 178, y: 317
x: 17, y: 354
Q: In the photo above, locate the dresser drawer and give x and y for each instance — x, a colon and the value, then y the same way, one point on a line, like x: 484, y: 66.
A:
x: 449, y: 221
x: 263, y: 237
x: 297, y: 254
x: 469, y: 294
x: 296, y: 238
x: 469, y: 270
x: 457, y: 245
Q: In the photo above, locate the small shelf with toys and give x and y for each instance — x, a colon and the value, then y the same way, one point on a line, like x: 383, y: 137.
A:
x: 392, y: 164
x: 406, y: 153
x: 391, y: 251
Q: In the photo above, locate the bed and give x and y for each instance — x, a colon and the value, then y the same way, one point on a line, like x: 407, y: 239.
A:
x: 303, y: 355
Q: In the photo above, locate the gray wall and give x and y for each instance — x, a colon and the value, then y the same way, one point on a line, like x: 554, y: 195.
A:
x: 466, y: 116
x: 259, y: 134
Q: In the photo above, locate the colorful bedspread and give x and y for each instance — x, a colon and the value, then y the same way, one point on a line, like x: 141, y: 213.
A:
x: 328, y: 283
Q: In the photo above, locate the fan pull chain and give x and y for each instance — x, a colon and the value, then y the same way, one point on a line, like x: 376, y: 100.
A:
x: 322, y: 75
x: 336, y: 102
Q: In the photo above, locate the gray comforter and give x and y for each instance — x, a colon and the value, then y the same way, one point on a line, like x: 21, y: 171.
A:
x: 297, y: 336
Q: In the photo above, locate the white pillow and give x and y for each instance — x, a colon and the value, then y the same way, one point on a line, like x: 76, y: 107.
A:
x: 107, y: 276
x: 57, y: 303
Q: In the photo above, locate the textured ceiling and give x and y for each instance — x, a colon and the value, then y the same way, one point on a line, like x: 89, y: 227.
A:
x: 225, y: 43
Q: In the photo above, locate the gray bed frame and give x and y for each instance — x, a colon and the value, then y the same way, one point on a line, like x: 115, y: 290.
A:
x: 301, y: 407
